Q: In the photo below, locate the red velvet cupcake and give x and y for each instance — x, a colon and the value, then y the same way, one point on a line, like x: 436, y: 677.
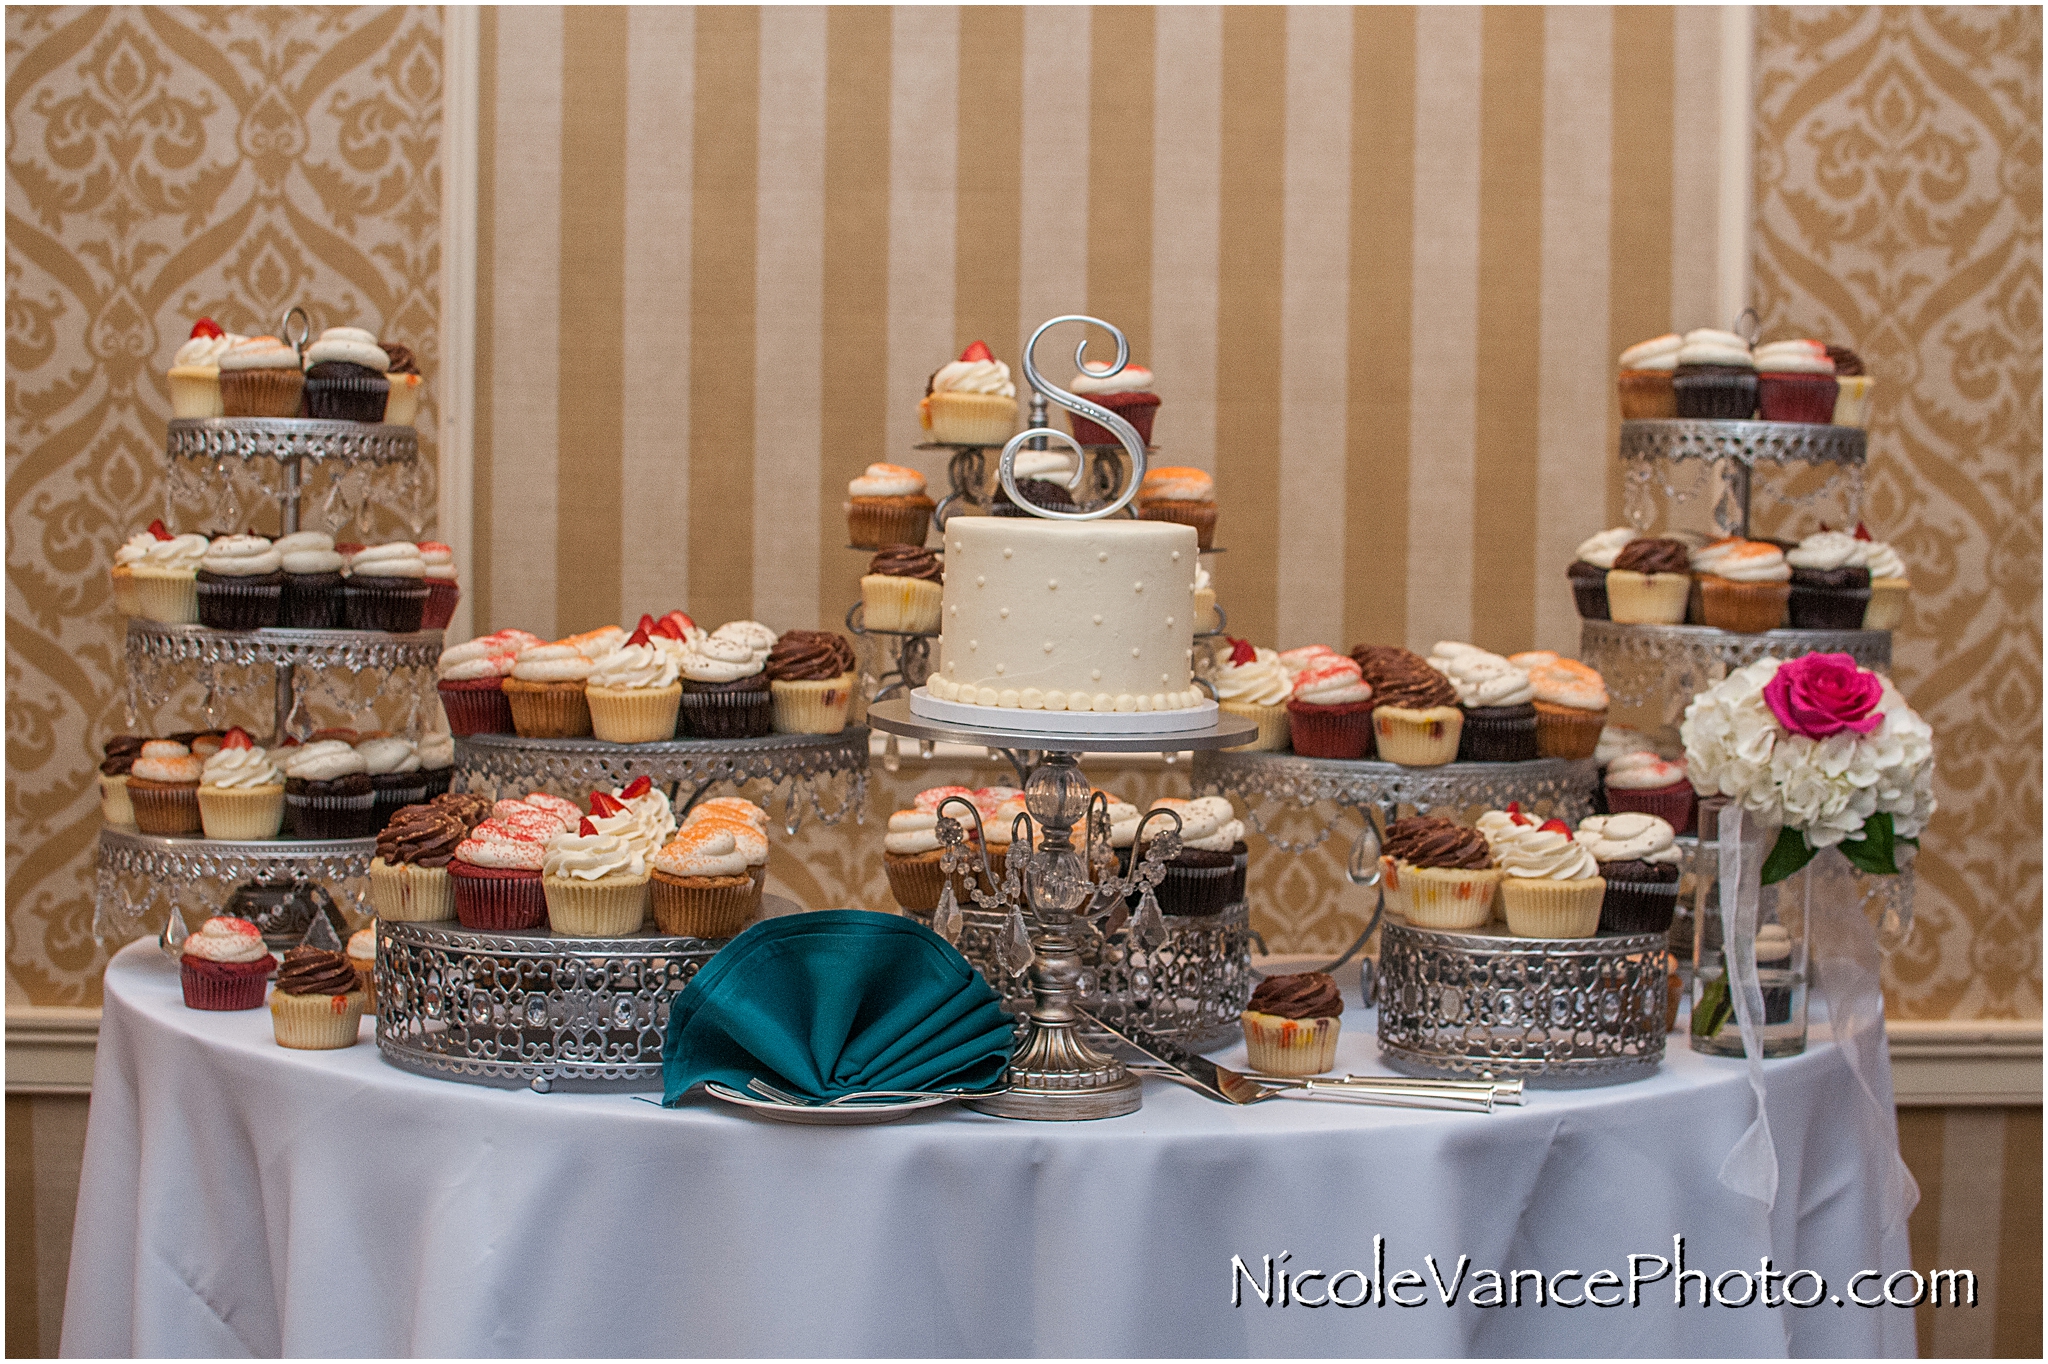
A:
x: 1795, y: 382
x: 470, y: 679
x: 496, y: 877
x: 1128, y: 393
x: 1643, y: 783
x: 225, y: 966
x: 442, y: 591
x: 1330, y: 713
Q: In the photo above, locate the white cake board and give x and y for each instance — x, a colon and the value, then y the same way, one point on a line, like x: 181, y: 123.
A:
x: 1025, y: 723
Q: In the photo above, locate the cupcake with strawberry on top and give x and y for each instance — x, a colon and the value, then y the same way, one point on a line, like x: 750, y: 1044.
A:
x: 968, y: 402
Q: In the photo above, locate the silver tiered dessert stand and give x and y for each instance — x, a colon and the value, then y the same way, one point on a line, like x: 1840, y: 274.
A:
x: 1055, y: 1072
x: 136, y: 870
x: 1646, y: 665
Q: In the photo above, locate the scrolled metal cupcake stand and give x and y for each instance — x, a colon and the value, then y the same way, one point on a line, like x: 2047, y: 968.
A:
x: 1652, y: 451
x: 137, y: 875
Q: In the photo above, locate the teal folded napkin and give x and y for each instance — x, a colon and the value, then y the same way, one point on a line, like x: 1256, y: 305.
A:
x: 834, y: 1003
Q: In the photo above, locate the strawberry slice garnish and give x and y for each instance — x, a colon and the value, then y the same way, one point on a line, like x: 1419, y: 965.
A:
x: 237, y: 738
x: 977, y: 351
x: 1862, y: 531
x: 587, y: 829
x: 603, y: 805
x: 207, y: 328
x: 674, y: 625
x: 639, y: 636
x: 1242, y: 652
x: 1514, y: 812
x: 646, y: 625
x: 159, y: 530
x: 1556, y: 826
x: 638, y: 787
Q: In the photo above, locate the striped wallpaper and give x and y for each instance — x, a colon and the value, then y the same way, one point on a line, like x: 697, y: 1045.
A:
x: 1380, y: 270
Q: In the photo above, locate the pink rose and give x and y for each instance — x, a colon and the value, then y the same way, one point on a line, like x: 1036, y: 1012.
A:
x: 1822, y: 694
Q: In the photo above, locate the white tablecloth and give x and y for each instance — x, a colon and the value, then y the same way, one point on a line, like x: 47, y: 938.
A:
x: 242, y: 1199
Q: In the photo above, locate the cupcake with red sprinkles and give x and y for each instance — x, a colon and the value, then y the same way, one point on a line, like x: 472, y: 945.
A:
x: 224, y: 966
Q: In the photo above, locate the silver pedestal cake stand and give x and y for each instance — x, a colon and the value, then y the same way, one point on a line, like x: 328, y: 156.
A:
x: 1660, y: 668
x: 1055, y: 1072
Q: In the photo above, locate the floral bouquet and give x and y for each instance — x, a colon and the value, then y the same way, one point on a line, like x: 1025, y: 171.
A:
x: 1828, y: 753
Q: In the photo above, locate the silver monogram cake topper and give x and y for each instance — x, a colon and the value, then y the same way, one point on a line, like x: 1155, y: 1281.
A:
x: 1125, y: 433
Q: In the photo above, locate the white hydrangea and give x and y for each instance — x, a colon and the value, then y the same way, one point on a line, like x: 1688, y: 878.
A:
x: 1825, y: 788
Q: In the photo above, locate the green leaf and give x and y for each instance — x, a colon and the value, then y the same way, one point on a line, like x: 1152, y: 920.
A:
x: 1790, y: 853
x: 1714, y: 1008
x: 1876, y: 853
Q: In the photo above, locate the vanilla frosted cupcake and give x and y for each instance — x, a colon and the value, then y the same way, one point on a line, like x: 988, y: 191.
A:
x: 546, y: 691
x: 595, y: 884
x: 362, y: 954
x: 397, y: 777
x: 195, y: 371
x: 443, y: 592
x: 1645, y: 378
x: 1588, y: 570
x: 311, y: 597
x: 386, y: 588
x: 634, y: 693
x: 241, y: 791
x: 345, y: 376
x: 166, y: 579
x: 702, y: 885
x: 636, y: 812
x: 969, y: 402
x: 887, y: 505
x: 1715, y: 378
x: 1253, y: 683
x: 1888, y: 585
x: 1128, y: 393
x: 1551, y: 887
x: 260, y: 376
x: 239, y: 583
x: 1498, y: 701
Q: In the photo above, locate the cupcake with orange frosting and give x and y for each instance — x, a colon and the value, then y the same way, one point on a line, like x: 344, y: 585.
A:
x: 1744, y: 585
x: 163, y: 788
x: 887, y: 505
x: 260, y: 376
x: 546, y: 691
x: 968, y: 402
x: 1182, y: 495
x: 746, y: 822
x: 702, y: 885
x: 1571, y: 704
x: 1128, y: 393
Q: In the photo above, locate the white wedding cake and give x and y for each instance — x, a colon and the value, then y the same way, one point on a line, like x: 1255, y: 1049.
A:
x: 1094, y: 616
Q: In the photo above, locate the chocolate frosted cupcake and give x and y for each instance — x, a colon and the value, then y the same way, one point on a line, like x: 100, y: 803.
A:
x: 402, y: 404
x: 119, y: 759
x: 725, y: 691
x: 240, y: 583
x: 345, y: 376
x: 327, y: 791
x: 311, y: 598
x: 1649, y: 582
x: 1830, y: 582
x: 1438, y: 873
x: 810, y: 681
x: 409, y: 876
x: 471, y: 807
x: 1498, y: 700
x: 1416, y: 720
x: 1042, y: 476
x: 1291, y: 1024
x: 317, y: 1005
x: 1640, y: 862
x: 903, y: 590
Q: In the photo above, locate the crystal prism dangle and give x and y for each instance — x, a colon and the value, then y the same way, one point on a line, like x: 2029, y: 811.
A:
x: 172, y: 939
x: 1148, y: 927
x: 947, y: 919
x: 320, y: 933
x: 1014, y: 950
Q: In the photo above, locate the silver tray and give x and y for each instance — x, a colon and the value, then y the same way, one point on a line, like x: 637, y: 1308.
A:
x: 1557, y: 787
x: 154, y: 643
x: 1557, y: 1012
x: 801, y: 766
x: 1742, y: 442
x: 285, y: 438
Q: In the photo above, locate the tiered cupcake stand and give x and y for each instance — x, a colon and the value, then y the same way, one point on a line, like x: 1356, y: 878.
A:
x: 539, y: 1010
x: 139, y: 875
x: 1658, y: 669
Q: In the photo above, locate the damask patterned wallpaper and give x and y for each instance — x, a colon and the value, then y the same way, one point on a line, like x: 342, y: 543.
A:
x: 164, y: 164
x: 1898, y: 210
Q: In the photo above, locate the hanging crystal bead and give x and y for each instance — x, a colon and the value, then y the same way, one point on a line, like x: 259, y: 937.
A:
x: 947, y: 919
x: 1148, y: 928
x: 1014, y: 950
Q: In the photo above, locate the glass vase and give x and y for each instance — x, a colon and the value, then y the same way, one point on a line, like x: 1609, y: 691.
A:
x: 1781, y: 960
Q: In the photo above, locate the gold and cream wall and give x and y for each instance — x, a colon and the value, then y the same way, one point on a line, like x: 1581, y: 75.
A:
x: 698, y: 263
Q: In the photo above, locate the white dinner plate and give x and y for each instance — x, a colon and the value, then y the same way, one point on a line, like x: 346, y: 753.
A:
x: 843, y: 1115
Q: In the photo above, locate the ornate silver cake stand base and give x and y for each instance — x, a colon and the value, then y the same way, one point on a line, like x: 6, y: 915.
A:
x: 1558, y: 1012
x: 1662, y: 667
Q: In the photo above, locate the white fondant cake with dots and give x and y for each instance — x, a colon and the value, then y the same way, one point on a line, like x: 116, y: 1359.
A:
x: 1080, y: 616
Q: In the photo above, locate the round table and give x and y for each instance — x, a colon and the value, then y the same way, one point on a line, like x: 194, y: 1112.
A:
x: 241, y: 1199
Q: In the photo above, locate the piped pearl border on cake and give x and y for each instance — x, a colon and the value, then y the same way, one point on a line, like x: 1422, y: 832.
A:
x: 927, y: 706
